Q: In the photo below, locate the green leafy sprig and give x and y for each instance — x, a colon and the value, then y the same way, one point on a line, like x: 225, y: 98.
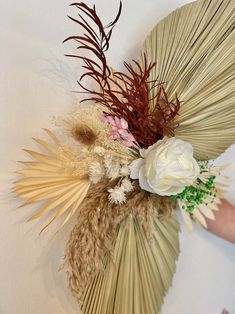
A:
x: 195, y: 194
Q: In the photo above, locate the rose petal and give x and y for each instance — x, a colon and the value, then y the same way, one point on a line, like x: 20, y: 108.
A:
x: 168, y: 167
x: 135, y: 168
x: 143, y: 181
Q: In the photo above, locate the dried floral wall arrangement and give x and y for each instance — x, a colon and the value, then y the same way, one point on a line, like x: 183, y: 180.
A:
x: 141, y: 146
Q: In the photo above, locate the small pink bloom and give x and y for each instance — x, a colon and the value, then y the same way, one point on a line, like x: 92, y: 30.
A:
x: 120, y: 131
x: 114, y: 136
x: 117, y: 122
x: 124, y: 124
x: 110, y: 120
x: 123, y: 133
x: 129, y: 144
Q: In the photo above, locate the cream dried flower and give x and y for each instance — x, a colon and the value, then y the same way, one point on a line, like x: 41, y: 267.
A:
x: 126, y: 185
x: 96, y: 172
x: 116, y: 195
x: 112, y: 167
x: 125, y: 170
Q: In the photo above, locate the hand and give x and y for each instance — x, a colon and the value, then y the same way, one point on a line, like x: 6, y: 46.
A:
x: 224, y: 223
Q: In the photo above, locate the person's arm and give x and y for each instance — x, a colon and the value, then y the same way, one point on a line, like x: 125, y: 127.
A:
x: 224, y: 223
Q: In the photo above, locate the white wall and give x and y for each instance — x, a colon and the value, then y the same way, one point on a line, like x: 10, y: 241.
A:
x: 35, y: 84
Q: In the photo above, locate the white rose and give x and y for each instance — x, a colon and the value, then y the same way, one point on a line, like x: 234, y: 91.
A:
x: 166, y: 167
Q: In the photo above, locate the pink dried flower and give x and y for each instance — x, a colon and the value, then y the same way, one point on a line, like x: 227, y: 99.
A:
x: 120, y: 131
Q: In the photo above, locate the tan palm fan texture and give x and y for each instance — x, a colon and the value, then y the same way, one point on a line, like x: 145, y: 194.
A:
x: 140, y: 273
x: 52, y: 178
x: 194, y: 49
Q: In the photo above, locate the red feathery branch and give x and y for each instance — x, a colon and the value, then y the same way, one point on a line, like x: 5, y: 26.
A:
x: 129, y: 96
x: 93, y: 41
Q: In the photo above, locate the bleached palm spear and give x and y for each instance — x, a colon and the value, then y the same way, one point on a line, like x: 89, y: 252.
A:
x: 52, y: 178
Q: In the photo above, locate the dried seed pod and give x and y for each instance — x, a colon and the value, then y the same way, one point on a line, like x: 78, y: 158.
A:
x: 84, y: 135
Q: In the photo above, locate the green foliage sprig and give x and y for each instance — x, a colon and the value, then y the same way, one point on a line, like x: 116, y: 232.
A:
x: 195, y: 195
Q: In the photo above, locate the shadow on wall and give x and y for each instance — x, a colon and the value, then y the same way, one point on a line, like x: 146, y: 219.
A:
x: 54, y: 278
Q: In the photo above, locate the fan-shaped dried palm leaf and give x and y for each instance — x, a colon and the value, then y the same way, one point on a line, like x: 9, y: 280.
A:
x: 139, y: 274
x: 194, y: 51
x: 52, y: 178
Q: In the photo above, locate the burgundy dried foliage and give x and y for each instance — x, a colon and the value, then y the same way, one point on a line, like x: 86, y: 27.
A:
x: 124, y: 95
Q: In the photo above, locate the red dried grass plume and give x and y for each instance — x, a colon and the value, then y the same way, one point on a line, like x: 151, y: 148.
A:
x: 124, y: 95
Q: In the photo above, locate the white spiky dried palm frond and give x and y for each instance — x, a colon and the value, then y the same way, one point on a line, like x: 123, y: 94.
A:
x: 140, y: 272
x: 194, y: 52
x: 53, y: 178
x: 211, y: 203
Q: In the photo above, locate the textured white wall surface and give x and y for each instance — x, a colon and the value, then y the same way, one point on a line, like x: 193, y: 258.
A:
x: 35, y: 84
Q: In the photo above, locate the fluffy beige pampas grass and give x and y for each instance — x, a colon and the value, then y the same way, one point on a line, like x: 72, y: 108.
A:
x: 121, y: 258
